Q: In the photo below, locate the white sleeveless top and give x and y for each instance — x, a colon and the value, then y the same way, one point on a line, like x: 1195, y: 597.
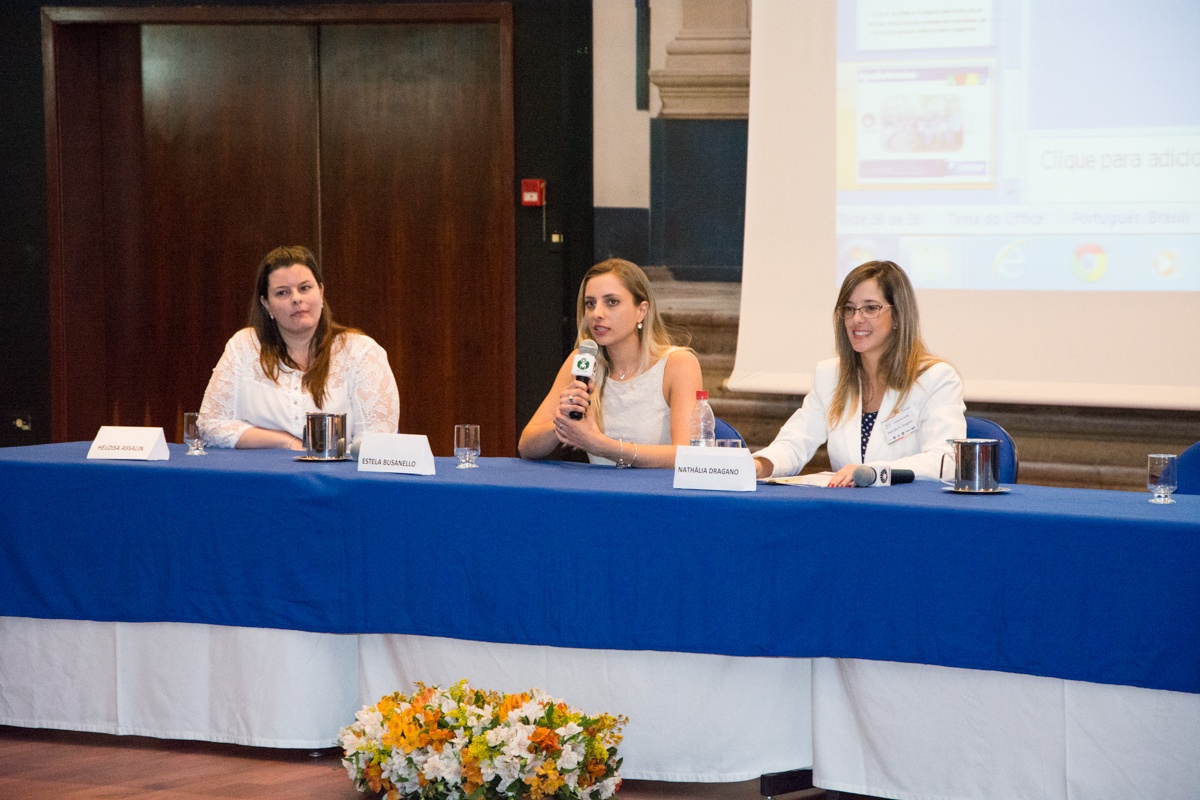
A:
x: 635, y: 410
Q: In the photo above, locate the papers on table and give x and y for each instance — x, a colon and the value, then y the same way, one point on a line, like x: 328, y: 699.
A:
x: 819, y: 479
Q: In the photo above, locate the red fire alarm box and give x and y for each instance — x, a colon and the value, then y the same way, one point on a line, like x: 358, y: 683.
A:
x: 533, y: 192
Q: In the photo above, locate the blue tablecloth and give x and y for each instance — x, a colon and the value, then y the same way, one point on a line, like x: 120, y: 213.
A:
x: 1078, y: 584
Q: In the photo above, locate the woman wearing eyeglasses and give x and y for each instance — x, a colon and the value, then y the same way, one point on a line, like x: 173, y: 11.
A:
x: 885, y: 401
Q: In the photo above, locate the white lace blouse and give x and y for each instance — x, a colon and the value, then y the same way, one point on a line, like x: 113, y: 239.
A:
x: 240, y: 396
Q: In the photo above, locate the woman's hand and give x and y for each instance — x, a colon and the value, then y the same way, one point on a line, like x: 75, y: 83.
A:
x: 541, y: 435
x: 576, y: 397
x: 582, y: 433
x: 844, y: 476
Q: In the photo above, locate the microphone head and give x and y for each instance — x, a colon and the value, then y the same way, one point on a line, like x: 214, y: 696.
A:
x: 864, y: 475
x: 589, y: 346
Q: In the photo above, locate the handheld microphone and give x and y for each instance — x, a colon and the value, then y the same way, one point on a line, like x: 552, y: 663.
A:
x: 867, y: 476
x: 584, y: 367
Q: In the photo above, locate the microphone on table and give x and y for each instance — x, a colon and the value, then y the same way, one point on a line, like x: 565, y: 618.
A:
x: 584, y: 367
x: 886, y: 476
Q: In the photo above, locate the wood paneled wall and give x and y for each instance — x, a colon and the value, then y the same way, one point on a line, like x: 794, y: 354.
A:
x: 185, y: 143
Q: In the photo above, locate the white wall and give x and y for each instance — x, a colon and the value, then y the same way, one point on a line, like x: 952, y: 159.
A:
x: 621, y: 138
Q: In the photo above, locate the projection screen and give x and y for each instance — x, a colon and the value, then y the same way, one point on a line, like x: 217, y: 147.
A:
x: 1034, y: 165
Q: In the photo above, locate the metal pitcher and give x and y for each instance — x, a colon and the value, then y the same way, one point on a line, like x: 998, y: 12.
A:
x: 325, y: 435
x: 976, y: 465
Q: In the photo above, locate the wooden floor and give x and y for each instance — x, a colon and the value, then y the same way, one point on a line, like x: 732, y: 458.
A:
x: 37, y: 764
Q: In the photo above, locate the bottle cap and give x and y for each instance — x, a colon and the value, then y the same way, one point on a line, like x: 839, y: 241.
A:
x: 701, y: 394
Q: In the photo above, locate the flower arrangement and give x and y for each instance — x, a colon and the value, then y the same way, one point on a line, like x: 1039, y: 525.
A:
x: 462, y: 743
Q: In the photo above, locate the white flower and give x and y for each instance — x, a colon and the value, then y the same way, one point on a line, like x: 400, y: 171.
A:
x: 443, y: 766
x: 477, y: 717
x: 403, y: 772
x: 568, y: 730
x: 571, y: 756
x: 351, y: 740
x: 371, y: 720
x: 605, y: 788
x: 513, y: 739
x: 531, y: 710
x: 507, y: 769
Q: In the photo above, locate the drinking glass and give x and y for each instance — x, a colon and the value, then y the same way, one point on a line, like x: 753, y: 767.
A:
x: 729, y: 442
x: 192, y: 436
x: 1162, y: 477
x: 466, y: 445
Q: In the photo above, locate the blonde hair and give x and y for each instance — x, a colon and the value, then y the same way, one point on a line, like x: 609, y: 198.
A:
x: 655, y: 337
x: 904, y: 359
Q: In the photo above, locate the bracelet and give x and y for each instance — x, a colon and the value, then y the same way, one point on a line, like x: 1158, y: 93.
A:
x: 634, y: 462
x: 621, y: 455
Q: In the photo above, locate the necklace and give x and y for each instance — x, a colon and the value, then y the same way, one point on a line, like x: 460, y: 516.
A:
x: 624, y: 372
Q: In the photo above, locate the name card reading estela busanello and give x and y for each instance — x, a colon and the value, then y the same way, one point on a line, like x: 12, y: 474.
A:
x: 726, y: 469
x: 407, y: 453
x: 129, y: 444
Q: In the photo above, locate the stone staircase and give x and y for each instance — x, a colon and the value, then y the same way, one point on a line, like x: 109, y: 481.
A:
x: 1100, y: 448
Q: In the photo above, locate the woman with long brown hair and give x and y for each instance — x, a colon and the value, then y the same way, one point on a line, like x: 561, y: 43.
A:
x: 293, y: 358
x: 636, y: 409
x: 885, y: 401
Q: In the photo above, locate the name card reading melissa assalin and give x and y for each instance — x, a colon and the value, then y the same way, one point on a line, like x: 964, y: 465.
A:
x: 726, y: 469
x: 406, y: 453
x: 126, y: 443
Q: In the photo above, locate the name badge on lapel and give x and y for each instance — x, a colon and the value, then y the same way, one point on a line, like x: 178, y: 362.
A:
x: 899, y: 425
x: 126, y: 443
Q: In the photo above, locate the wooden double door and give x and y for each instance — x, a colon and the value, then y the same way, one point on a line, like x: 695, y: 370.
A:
x: 183, y: 144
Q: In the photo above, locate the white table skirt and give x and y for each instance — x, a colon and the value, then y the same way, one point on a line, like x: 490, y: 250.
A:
x: 276, y: 688
x: 918, y: 732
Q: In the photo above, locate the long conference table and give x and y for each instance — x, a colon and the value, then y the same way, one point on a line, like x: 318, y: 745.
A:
x: 904, y: 641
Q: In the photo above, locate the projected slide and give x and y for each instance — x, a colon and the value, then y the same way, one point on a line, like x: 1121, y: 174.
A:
x: 1020, y: 144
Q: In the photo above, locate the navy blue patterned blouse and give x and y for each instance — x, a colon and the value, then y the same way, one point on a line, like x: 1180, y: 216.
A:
x: 868, y: 424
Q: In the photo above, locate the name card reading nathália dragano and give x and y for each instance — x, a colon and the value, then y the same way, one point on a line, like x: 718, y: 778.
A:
x: 407, y: 453
x: 727, y: 469
x: 129, y: 444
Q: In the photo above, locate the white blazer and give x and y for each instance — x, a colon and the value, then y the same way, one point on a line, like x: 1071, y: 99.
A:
x: 935, y: 402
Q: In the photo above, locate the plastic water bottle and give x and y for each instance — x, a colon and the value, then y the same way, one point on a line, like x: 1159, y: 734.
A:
x: 703, y: 426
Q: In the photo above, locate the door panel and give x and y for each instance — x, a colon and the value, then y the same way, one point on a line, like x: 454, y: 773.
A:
x: 231, y: 171
x: 417, y: 217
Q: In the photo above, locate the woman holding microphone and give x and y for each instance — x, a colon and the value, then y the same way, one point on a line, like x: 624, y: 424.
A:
x: 636, y: 408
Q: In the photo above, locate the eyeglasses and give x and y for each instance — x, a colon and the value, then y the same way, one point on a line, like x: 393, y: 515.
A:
x: 869, y: 311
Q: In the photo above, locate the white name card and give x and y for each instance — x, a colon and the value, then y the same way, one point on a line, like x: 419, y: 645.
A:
x: 130, y: 444
x: 407, y: 453
x: 727, y: 469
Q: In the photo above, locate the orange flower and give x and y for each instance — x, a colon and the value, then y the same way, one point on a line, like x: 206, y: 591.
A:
x: 553, y: 781
x: 374, y: 775
x: 511, y: 703
x: 426, y: 694
x: 387, y: 704
x: 546, y: 740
